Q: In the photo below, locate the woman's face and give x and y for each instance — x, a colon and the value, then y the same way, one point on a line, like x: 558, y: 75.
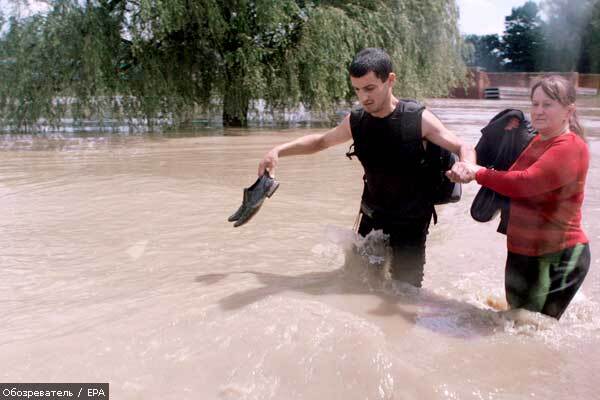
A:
x: 548, y: 116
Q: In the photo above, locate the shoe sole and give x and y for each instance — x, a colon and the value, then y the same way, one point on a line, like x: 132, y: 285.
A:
x: 273, y: 189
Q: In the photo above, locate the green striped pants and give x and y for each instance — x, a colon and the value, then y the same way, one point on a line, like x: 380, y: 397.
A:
x: 546, y: 283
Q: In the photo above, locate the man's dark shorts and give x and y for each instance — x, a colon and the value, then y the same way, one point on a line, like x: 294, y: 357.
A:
x: 407, y: 241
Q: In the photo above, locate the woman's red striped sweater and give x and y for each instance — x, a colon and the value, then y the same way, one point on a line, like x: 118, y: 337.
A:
x: 546, y: 185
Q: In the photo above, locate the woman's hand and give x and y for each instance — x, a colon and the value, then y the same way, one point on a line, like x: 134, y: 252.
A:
x: 463, y: 172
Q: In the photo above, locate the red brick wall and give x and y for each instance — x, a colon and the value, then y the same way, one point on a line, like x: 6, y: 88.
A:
x: 477, y: 81
x: 589, y: 81
x: 525, y: 79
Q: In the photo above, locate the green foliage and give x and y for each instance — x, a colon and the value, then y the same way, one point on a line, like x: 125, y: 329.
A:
x: 568, y: 39
x: 160, y: 61
x: 486, y: 52
x: 590, y: 60
x: 56, y: 63
x: 571, y: 36
x: 523, y: 38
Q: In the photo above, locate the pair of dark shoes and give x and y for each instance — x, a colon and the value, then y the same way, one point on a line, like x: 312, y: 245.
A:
x: 254, y: 196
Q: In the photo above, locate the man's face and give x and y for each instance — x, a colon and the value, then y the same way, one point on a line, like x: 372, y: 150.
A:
x: 372, y: 93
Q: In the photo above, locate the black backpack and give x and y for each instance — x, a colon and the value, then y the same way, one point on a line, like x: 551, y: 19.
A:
x: 440, y: 160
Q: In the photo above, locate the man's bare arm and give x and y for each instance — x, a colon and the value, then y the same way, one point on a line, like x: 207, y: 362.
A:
x: 307, y: 144
x: 434, y: 131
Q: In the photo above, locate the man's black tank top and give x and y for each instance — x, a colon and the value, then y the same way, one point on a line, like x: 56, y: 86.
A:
x: 392, y: 154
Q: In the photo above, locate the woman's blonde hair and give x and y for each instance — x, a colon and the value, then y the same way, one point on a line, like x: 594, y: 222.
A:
x: 562, y: 90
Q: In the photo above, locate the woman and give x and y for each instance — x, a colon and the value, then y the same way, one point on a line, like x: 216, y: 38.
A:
x: 548, y: 252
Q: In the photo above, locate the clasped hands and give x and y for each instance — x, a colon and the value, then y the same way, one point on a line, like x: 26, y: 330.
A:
x: 463, y: 172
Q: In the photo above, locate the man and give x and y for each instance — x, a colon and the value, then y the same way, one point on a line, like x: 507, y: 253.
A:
x: 396, y: 196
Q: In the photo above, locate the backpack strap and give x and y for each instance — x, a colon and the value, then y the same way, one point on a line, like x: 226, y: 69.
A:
x: 355, y: 118
x: 412, y: 112
x: 411, y: 117
x: 351, y: 152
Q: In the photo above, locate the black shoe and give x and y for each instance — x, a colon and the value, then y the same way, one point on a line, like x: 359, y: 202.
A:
x: 254, y: 196
x: 236, y: 215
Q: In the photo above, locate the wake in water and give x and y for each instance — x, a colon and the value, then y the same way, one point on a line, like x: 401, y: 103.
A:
x: 366, y: 260
x: 349, y: 328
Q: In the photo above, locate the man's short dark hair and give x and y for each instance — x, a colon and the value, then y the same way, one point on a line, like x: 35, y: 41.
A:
x: 371, y: 59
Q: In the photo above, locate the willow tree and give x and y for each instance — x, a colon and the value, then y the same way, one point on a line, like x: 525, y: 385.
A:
x: 159, y: 60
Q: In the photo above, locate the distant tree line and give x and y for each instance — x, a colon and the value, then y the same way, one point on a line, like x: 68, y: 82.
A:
x: 157, y: 61
x: 557, y: 35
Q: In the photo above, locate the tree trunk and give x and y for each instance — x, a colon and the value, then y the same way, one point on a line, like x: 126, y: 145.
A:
x: 234, y: 120
x: 235, y: 104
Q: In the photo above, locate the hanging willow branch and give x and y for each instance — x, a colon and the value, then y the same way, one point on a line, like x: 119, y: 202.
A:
x: 157, y: 61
